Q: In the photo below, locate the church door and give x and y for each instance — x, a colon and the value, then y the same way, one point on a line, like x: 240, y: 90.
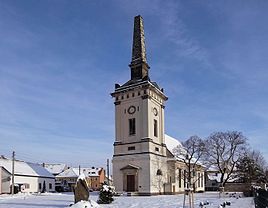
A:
x: 130, y: 183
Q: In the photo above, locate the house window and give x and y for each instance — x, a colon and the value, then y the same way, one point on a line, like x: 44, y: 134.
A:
x: 155, y: 128
x: 133, y: 94
x: 132, y: 126
x: 50, y: 185
x: 131, y: 148
x: 27, y: 185
x: 144, y: 92
x: 40, y: 186
x: 127, y: 96
x: 139, y: 93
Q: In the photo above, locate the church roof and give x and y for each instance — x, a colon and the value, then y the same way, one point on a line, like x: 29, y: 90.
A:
x: 171, y: 143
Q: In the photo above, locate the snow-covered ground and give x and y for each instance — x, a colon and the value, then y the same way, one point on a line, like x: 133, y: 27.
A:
x: 49, y: 200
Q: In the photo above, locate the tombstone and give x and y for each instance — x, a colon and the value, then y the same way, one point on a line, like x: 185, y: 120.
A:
x: 81, y: 190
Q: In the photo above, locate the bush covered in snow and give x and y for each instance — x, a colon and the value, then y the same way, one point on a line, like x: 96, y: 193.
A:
x: 106, y: 194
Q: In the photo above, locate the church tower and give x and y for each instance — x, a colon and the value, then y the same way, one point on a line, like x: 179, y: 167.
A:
x: 140, y: 153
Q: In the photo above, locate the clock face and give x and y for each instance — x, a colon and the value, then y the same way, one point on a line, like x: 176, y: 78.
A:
x: 131, y: 109
x: 155, y: 111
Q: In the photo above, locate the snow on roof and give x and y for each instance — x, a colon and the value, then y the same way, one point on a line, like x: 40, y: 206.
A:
x: 217, y: 177
x: 55, y: 168
x: 25, y: 168
x: 74, y: 172
x: 171, y: 143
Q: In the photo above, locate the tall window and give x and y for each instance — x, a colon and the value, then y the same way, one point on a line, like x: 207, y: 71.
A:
x: 155, y: 128
x: 179, y: 178
x: 202, y: 177
x: 199, y: 180
x: 132, y: 126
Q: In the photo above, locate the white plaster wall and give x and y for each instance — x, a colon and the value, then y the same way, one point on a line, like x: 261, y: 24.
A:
x: 34, y: 183
x: 141, y: 161
x: 157, y: 182
x: 4, y: 183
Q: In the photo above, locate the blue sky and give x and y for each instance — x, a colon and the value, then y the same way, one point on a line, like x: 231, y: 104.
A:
x: 59, y: 61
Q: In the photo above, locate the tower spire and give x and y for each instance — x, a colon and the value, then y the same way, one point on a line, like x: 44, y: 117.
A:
x: 138, y: 65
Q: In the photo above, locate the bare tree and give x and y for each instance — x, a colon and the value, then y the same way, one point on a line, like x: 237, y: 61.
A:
x: 223, y: 152
x: 190, y: 153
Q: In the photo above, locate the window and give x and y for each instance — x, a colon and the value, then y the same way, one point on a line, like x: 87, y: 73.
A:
x: 184, y: 177
x: 131, y: 148
x: 40, y: 186
x: 155, y: 128
x: 202, y: 177
x: 27, y: 186
x: 133, y: 94
x: 199, y: 180
x: 127, y: 96
x: 132, y: 126
x: 144, y: 92
x: 139, y: 93
x: 179, y: 178
x: 157, y: 149
x: 50, y: 185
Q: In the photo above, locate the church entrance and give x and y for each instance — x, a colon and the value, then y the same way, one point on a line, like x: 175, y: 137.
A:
x: 130, y: 183
x: 130, y: 178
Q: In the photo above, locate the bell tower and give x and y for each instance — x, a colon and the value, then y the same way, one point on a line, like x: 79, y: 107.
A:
x: 139, y: 147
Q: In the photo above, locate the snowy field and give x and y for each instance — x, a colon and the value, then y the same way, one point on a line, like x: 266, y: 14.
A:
x: 49, y: 200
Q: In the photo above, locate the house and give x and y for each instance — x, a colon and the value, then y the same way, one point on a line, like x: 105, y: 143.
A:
x: 143, y: 160
x: 94, y: 176
x: 5, y: 178
x: 213, y: 178
x: 28, y: 177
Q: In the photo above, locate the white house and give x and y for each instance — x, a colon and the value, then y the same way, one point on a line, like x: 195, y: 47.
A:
x: 28, y: 177
x: 94, y: 176
x: 5, y: 178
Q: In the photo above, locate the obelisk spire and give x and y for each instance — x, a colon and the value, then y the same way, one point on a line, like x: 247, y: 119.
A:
x: 138, y: 65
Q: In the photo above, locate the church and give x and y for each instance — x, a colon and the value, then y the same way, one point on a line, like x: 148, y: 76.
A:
x: 143, y: 162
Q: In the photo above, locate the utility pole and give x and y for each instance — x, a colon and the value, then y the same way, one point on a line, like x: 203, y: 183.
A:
x: 108, y: 172
x: 13, y: 170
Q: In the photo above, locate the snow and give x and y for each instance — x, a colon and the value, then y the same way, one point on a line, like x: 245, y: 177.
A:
x: 171, y: 143
x: 25, y: 168
x: 85, y: 204
x: 55, y: 168
x: 82, y: 177
x: 57, y: 200
x: 74, y: 172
